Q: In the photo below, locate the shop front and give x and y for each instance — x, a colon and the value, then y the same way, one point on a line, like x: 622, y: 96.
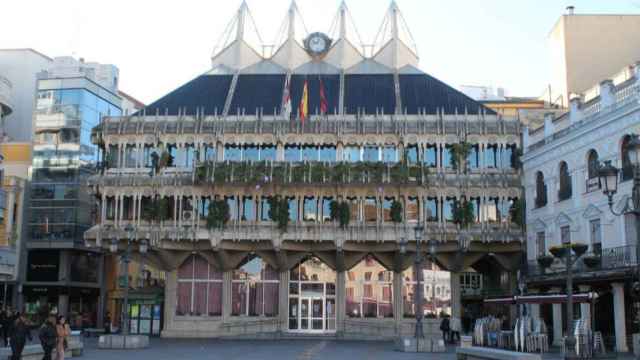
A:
x: 146, y: 308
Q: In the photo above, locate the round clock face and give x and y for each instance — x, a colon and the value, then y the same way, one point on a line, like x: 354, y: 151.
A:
x: 317, y: 44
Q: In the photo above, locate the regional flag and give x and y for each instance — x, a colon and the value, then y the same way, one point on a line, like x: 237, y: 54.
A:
x: 303, y: 109
x: 286, y: 99
x: 324, y: 105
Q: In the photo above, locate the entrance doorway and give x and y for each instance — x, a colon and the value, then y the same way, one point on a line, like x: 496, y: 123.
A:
x: 312, y: 298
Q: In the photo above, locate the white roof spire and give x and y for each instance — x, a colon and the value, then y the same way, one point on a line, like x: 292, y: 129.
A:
x: 394, y: 45
x: 347, y: 47
x: 240, y: 44
x: 289, y: 43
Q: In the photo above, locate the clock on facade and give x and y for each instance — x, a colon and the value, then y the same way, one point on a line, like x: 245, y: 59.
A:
x: 317, y: 44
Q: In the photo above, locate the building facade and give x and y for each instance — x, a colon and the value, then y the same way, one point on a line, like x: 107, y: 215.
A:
x: 276, y: 190
x: 565, y: 204
x: 62, y: 275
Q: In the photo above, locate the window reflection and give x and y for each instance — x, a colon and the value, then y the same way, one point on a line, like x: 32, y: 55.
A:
x: 370, y: 153
x: 369, y: 290
x: 351, y: 153
x: 430, y: 154
x: 254, y: 289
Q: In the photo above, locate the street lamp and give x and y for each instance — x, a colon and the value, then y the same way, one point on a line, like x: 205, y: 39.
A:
x: 143, y: 247
x: 418, y: 294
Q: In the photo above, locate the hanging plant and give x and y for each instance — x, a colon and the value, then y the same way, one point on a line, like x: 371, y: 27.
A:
x: 399, y: 172
x: 396, y: 212
x: 516, y: 156
x: 279, y: 212
x: 344, y: 214
x: 279, y: 173
x: 317, y: 172
x: 218, y: 214
x: 463, y: 213
x: 459, y: 153
x: 339, y: 172
x: 166, y: 160
x: 334, y: 211
x: 297, y: 173
x: 221, y: 172
x: 158, y: 209
x: 259, y: 172
x: 516, y: 212
x: 110, y: 160
x: 201, y: 173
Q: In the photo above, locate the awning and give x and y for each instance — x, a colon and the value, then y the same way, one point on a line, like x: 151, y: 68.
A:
x: 543, y: 299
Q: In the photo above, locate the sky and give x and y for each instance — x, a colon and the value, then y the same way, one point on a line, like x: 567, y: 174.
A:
x: 160, y: 44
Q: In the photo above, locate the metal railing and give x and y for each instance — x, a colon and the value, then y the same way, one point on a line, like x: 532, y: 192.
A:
x: 608, y: 259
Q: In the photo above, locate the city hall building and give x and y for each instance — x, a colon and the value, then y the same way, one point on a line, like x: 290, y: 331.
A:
x: 280, y: 189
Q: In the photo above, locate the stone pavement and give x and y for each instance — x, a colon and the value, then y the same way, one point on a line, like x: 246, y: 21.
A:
x: 211, y: 349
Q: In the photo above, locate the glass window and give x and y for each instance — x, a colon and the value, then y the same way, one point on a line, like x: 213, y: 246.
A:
x: 254, y: 289
x: 328, y: 153
x: 447, y: 156
x: 370, y: 153
x: 310, y: 153
x: 541, y: 243
x: 492, y: 209
x: 189, y: 155
x: 370, y: 210
x: 268, y: 152
x: 389, y: 154
x: 447, y: 208
x: 434, y: 303
x: 248, y: 208
x: 292, y: 153
x: 351, y: 153
x: 411, y: 154
x: 233, y: 207
x: 412, y: 209
x: 490, y: 156
x: 431, y: 209
x: 565, y: 182
x: 250, y: 152
x: 474, y: 157
x: 430, y: 155
x: 509, y: 157
x: 208, y: 153
x: 354, y: 208
x: 565, y: 234
x: 386, y: 208
x: 130, y: 155
x: 232, y: 153
x: 265, y: 208
x: 369, y: 296
x: 310, y: 209
x: 204, y: 207
x: 596, y: 236
x: 326, y: 208
x: 475, y: 203
x: 293, y: 209
x: 199, y: 290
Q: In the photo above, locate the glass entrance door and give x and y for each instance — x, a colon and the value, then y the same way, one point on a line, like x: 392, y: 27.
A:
x: 312, y: 314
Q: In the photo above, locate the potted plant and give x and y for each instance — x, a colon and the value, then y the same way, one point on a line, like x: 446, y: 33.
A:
x: 591, y: 261
x: 559, y: 251
x: 460, y: 153
x: 279, y: 212
x: 579, y: 248
x: 218, y: 214
x: 545, y: 261
x: 396, y: 212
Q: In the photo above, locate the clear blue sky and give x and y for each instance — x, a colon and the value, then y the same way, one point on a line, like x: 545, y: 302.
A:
x: 159, y: 45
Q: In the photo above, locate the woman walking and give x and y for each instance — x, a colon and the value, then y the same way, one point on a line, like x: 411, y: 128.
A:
x: 63, y: 331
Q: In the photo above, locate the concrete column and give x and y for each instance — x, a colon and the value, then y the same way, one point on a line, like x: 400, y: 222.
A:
x: 103, y: 206
x: 585, y: 308
x: 279, y: 151
x: 438, y: 156
x: 398, y: 311
x: 102, y: 300
x: 170, y: 299
x: 283, y: 300
x: 116, y: 206
x: 10, y: 203
x: 456, y: 295
x: 619, y: 317
x: 340, y: 301
x: 226, y: 294
x: 557, y: 321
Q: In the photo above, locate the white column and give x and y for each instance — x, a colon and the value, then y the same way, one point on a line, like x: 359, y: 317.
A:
x: 456, y: 295
x: 619, y: 317
x: 557, y: 321
x: 283, y: 300
x: 103, y: 213
x: 585, y: 308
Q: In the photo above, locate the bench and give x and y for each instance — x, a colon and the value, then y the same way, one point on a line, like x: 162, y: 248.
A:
x: 477, y: 353
x: 35, y: 352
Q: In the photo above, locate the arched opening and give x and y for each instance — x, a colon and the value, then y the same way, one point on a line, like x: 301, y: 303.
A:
x: 199, y: 289
x: 627, y: 166
x: 312, y: 297
x: 369, y: 290
x: 254, y: 289
x: 565, y: 190
x: 593, y: 181
x: 541, y: 190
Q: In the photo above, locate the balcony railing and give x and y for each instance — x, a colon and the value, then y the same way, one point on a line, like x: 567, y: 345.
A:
x: 610, y: 259
x: 310, y: 173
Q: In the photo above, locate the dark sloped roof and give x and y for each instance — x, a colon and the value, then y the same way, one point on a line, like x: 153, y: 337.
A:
x: 424, y: 92
x: 368, y: 93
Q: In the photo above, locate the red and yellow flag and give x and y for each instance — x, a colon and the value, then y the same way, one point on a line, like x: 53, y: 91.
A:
x: 303, y: 109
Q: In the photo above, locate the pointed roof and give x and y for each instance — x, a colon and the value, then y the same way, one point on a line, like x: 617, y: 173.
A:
x: 290, y: 52
x: 240, y: 45
x: 394, y: 45
x: 345, y: 51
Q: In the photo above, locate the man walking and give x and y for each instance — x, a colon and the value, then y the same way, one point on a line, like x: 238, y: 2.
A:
x: 19, y: 335
x: 48, y: 337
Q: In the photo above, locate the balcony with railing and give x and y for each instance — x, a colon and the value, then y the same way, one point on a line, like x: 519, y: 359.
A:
x: 5, y: 96
x: 603, y: 260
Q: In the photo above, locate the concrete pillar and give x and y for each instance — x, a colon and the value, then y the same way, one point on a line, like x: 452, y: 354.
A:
x: 398, y: 311
x: 279, y: 151
x: 456, y: 295
x: 557, y: 320
x: 283, y: 300
x: 585, y: 308
x: 102, y: 300
x: 341, y: 305
x: 226, y: 294
x: 170, y: 299
x: 63, y: 305
x: 619, y: 317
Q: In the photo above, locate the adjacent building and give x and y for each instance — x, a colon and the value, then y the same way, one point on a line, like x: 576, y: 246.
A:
x: 565, y: 204
x: 277, y: 190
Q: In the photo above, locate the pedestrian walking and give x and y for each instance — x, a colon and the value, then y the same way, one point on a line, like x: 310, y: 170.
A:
x: 19, y: 334
x: 48, y: 337
x: 455, y: 326
x: 444, y: 327
x: 63, y: 331
x: 107, y: 323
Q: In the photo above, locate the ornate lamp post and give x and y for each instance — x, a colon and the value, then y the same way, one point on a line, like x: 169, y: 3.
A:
x: 126, y: 258
x: 418, y: 297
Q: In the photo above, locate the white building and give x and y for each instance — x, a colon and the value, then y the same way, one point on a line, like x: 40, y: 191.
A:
x: 565, y: 203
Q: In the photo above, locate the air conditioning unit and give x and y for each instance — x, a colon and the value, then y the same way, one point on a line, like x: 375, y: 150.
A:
x: 187, y: 215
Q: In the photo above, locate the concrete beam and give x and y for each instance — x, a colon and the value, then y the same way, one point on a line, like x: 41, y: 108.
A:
x: 510, y: 262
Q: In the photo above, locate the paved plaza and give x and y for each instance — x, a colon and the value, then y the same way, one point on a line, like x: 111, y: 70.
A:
x: 211, y: 349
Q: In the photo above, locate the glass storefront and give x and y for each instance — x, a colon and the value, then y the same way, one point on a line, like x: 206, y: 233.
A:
x: 312, y: 297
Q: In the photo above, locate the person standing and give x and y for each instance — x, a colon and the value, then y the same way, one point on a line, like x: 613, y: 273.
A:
x: 444, y: 327
x: 455, y: 326
x: 19, y: 335
x: 63, y: 331
x: 48, y: 337
x: 107, y: 323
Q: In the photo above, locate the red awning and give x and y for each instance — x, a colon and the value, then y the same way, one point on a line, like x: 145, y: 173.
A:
x: 543, y: 299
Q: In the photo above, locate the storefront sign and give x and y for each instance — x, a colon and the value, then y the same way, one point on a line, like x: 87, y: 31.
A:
x: 43, y: 265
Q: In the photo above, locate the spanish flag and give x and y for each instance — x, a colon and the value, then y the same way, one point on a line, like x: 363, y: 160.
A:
x: 303, y: 109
